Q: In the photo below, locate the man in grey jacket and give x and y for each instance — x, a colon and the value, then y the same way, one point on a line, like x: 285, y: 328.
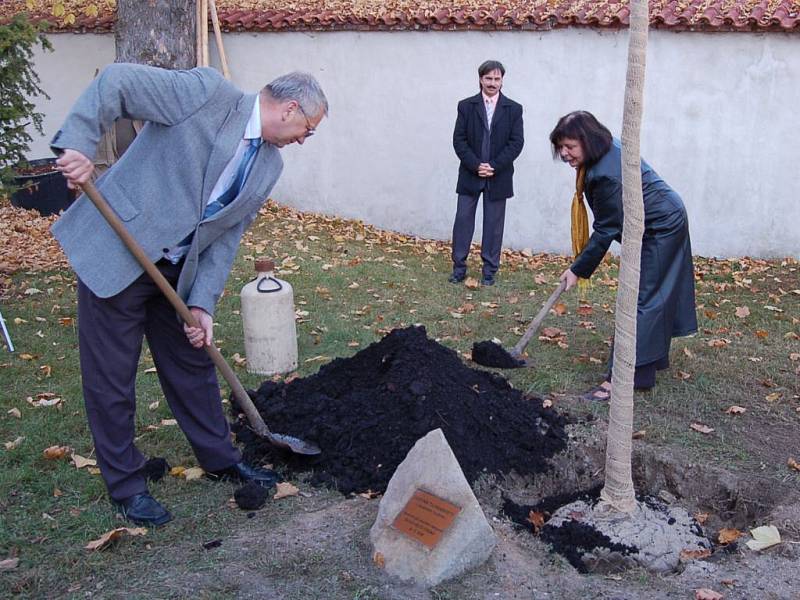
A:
x: 187, y: 188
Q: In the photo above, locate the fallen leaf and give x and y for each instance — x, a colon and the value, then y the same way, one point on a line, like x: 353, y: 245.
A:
x: 718, y: 343
x: 742, y: 312
x: 379, y: 560
x: 285, y: 489
x: 688, y: 353
x: 560, y: 309
x: 456, y: 315
x: 761, y: 334
x: 317, y: 358
x: 55, y: 452
x: 13, y: 445
x: 552, y: 332
x: 773, y: 308
x: 19, y: 321
x: 14, y: 412
x: 471, y: 283
x: 239, y: 360
x: 540, y: 278
x: 638, y: 435
x: 726, y: 535
x: 793, y: 464
x: 701, y: 517
x: 177, y: 471
x: 9, y: 564
x: 536, y: 519
x: 153, y: 405
x: 547, y: 403
x: 353, y: 344
x: 701, y: 428
x: 707, y: 594
x: 584, y: 310
x: 682, y: 375
x: 109, y: 536
x: 168, y: 422
x: 354, y: 286
x: 764, y: 537
x: 192, y: 473
x: 369, y: 494
x: 773, y: 396
x: 794, y: 356
x: 150, y: 370
x: 80, y: 462
x: 736, y: 410
x: 686, y: 554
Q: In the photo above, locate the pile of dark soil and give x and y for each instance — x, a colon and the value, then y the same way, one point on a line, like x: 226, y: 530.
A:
x: 367, y: 411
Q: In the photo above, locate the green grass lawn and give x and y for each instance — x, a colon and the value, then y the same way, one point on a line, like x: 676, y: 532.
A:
x: 352, y: 285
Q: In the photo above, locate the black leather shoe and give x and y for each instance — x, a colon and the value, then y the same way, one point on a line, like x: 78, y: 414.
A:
x: 487, y: 280
x: 143, y: 509
x: 454, y: 278
x: 243, y: 472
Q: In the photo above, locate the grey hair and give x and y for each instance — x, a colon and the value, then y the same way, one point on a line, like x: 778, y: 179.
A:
x: 301, y: 87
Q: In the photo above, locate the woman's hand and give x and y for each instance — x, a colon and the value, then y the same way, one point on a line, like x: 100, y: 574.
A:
x: 203, y: 334
x: 569, y: 278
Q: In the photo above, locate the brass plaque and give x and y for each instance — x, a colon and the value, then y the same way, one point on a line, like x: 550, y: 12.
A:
x: 425, y: 518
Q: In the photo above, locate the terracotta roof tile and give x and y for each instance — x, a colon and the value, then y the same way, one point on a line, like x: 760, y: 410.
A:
x: 320, y: 15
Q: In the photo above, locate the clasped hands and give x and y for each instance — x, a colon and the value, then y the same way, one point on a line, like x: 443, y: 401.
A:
x: 485, y: 170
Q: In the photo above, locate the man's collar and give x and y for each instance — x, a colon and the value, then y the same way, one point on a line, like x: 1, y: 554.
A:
x: 492, y: 99
x: 253, y: 127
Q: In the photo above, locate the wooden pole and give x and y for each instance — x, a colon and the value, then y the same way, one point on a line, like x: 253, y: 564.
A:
x: 212, y: 5
x: 198, y: 42
x: 204, y: 25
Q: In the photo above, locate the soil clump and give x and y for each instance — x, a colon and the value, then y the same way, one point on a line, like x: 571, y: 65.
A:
x: 490, y: 354
x: 367, y: 411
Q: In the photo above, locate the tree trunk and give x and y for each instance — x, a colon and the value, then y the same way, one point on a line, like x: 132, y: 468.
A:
x: 618, y: 490
x: 160, y: 33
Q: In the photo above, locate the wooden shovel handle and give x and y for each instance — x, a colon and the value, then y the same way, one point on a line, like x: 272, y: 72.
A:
x: 212, y: 6
x: 245, y: 403
x: 537, y: 320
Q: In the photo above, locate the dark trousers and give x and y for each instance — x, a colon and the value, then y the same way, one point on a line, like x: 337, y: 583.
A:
x: 644, y: 376
x: 110, y: 332
x: 494, y: 218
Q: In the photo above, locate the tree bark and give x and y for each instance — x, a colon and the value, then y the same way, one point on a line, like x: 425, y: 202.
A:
x: 618, y: 491
x: 160, y: 33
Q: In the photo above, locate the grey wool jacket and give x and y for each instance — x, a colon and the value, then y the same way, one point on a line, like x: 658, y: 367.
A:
x: 195, y: 120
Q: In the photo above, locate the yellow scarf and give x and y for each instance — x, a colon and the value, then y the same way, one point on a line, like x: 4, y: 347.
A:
x: 580, y: 222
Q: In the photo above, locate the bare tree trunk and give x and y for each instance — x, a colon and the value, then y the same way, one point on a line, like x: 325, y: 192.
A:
x: 618, y: 490
x: 157, y: 32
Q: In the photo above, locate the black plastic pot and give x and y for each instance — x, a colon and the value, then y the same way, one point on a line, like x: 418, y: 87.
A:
x: 46, y: 192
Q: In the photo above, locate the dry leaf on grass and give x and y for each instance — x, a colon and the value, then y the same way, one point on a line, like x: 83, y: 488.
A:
x: 80, y: 462
x: 471, y: 283
x: 793, y: 464
x: 55, y: 452
x: 774, y: 396
x: 109, y: 536
x: 705, y: 429
x: 638, y: 435
x: 560, y: 309
x: 285, y: 489
x: 536, y: 519
x: 379, y: 560
x: 736, y: 410
x: 742, y: 312
x: 14, y: 412
x: 701, y: 517
x: 9, y: 564
x: 13, y: 445
x: 707, y: 594
x: 168, y: 422
x: 764, y: 537
x: 726, y: 535
x: 192, y: 473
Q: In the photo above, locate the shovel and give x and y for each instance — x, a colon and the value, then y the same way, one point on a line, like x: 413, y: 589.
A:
x: 490, y: 354
x: 280, y: 440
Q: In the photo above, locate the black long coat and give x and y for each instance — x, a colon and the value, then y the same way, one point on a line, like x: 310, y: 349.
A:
x: 666, y: 306
x: 505, y: 144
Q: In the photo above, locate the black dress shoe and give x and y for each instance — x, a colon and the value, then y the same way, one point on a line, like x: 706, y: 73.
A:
x: 143, y: 509
x: 487, y: 280
x: 455, y: 278
x: 243, y: 472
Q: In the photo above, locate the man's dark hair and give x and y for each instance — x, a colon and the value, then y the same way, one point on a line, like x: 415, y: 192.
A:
x: 595, y: 138
x: 491, y: 65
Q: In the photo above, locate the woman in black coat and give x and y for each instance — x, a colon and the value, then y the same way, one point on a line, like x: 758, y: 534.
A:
x: 666, y: 305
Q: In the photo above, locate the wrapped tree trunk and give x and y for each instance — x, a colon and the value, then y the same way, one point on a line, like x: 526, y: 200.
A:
x: 618, y: 489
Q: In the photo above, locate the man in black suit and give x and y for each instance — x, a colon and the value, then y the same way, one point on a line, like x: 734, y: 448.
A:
x: 487, y: 138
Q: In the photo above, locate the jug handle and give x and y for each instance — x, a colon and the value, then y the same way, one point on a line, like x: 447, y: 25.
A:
x: 263, y: 279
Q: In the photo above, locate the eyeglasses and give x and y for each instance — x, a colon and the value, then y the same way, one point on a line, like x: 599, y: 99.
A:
x: 309, y: 129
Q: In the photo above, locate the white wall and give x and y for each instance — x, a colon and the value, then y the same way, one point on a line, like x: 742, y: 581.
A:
x: 720, y: 123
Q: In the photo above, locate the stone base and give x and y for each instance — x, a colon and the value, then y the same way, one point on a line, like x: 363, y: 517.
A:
x: 431, y: 466
x: 597, y: 539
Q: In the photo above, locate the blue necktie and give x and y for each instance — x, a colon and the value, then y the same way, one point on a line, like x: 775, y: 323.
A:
x: 243, y: 169
x: 228, y: 195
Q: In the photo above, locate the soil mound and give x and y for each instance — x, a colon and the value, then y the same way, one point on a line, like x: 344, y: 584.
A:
x: 367, y: 411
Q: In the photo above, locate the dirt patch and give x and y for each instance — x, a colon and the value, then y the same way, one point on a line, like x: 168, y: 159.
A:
x: 490, y: 354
